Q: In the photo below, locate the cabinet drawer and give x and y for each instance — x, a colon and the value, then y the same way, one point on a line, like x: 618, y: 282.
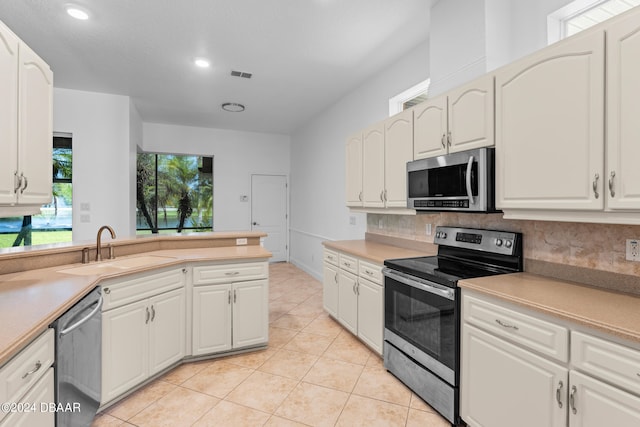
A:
x: 370, y: 272
x: 331, y: 257
x: 119, y: 292
x: 226, y: 273
x: 540, y: 335
x: 26, y: 368
x: 349, y: 263
x: 614, y: 363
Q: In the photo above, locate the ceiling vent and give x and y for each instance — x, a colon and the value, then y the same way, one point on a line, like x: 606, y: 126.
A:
x: 241, y: 74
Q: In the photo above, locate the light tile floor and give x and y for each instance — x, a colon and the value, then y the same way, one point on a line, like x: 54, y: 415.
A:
x: 314, y: 373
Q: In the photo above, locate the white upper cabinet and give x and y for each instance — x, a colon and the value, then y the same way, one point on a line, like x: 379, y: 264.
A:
x: 463, y: 119
x: 353, y: 165
x: 26, y: 98
x: 471, y: 115
x: 549, y: 127
x: 622, y: 177
x: 398, y: 150
x: 373, y: 166
x: 430, y: 128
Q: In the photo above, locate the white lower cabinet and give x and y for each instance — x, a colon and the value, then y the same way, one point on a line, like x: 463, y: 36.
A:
x: 26, y: 381
x: 519, y: 373
x: 141, y: 338
x: 229, y: 311
x: 503, y: 385
x: 353, y: 293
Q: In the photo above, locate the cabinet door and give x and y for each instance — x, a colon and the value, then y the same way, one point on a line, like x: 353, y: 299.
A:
x: 502, y: 384
x: 373, y: 167
x: 370, y: 313
x: 330, y: 289
x: 398, y: 150
x: 35, y: 136
x: 348, y: 301
x: 598, y: 404
x: 250, y: 313
x: 41, y: 392
x: 125, y: 348
x: 430, y: 128
x: 167, y: 330
x: 623, y: 104
x: 550, y: 127
x: 354, y: 170
x: 471, y: 118
x: 211, y: 319
x: 8, y: 114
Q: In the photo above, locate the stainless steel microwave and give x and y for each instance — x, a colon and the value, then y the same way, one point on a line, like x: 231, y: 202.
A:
x: 463, y: 182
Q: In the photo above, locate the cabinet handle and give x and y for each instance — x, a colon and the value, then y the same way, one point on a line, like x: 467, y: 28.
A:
x: 346, y: 264
x: 370, y: 273
x: 357, y: 288
x: 229, y: 297
x: 17, y: 182
x: 506, y: 325
x: 382, y: 196
x: 444, y: 144
x: 360, y: 196
x: 572, y: 399
x: 336, y: 278
x: 353, y: 288
x: 449, y: 138
x: 235, y: 296
x: 106, y: 291
x: 37, y: 367
x: 611, y: 190
x: 184, y: 271
x: 559, y: 394
x: 26, y: 183
x: 153, y: 313
x: 595, y: 185
x: 148, y: 315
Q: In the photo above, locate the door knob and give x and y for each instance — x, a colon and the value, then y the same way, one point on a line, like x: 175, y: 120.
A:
x: 255, y: 223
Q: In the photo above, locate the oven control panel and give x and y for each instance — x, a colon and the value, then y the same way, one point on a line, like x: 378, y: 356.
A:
x: 501, y: 242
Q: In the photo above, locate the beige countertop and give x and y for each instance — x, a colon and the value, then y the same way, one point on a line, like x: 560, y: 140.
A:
x: 610, y: 312
x: 374, y: 251
x: 31, y: 300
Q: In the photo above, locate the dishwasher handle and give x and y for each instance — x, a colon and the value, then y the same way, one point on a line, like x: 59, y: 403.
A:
x: 71, y: 328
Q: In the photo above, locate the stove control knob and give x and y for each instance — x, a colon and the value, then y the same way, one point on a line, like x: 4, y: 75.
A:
x: 508, y: 244
x: 444, y: 235
x: 498, y: 242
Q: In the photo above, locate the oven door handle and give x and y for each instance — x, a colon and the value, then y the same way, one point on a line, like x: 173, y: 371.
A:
x: 469, y: 192
x: 432, y: 288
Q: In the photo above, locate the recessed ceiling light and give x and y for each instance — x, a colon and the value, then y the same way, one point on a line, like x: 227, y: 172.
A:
x: 77, y: 13
x: 201, y: 62
x: 233, y: 107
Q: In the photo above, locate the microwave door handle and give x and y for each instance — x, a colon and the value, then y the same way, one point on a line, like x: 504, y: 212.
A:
x: 469, y: 193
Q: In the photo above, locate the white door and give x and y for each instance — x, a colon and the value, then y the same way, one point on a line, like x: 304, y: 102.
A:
x: 250, y: 313
x: 269, y: 212
x: 211, y: 319
x: 167, y: 335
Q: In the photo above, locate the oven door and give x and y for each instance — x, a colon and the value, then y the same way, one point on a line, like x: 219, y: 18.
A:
x: 421, y: 320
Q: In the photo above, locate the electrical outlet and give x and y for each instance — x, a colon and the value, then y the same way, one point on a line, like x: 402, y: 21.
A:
x: 379, y: 223
x: 633, y: 250
x: 427, y: 229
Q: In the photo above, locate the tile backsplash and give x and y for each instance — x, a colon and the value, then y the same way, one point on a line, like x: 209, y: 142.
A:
x: 593, y: 246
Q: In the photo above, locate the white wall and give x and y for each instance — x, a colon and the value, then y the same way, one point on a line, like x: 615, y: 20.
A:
x: 318, y: 210
x: 236, y: 154
x: 99, y: 124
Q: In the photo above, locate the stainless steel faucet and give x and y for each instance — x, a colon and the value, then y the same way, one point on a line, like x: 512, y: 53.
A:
x: 99, y: 244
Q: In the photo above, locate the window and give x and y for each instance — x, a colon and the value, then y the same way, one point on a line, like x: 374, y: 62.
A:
x: 410, y: 97
x: 174, y: 193
x: 582, y: 14
x: 53, y: 223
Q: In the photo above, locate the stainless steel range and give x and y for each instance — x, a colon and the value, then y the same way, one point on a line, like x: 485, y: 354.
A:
x: 422, y: 309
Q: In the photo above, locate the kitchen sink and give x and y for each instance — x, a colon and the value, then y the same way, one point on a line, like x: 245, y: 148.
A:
x: 115, y: 266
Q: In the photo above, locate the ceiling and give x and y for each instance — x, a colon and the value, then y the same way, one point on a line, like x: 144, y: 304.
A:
x: 304, y: 54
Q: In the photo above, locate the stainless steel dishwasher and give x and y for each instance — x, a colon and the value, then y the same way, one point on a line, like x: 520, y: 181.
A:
x: 78, y: 373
